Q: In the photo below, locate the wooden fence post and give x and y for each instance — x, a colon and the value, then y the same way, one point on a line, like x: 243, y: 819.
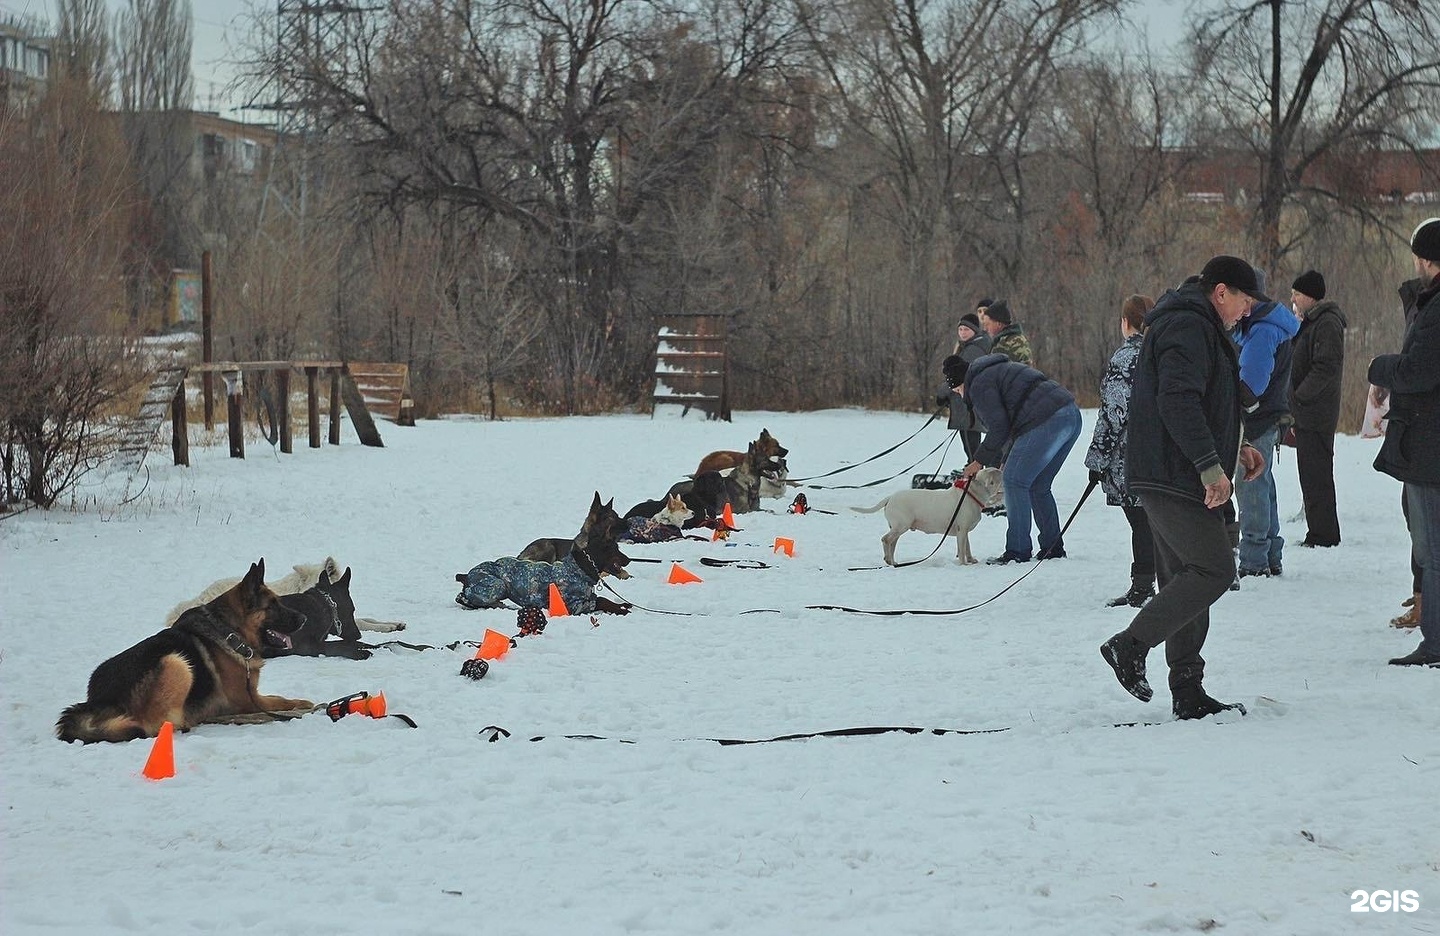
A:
x: 235, y: 399
x: 312, y: 404
x: 335, y: 406
x: 179, y: 427
x: 282, y: 389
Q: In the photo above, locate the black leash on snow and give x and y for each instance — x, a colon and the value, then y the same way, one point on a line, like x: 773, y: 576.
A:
x: 851, y: 487
x: 933, y: 417
x: 493, y: 733
x: 936, y: 473
x: 982, y: 604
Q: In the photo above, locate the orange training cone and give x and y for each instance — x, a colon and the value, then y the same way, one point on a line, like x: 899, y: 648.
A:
x: 728, y: 516
x: 557, y: 602
x: 161, y: 762
x: 493, y: 646
x: 679, y: 575
x: 785, y: 545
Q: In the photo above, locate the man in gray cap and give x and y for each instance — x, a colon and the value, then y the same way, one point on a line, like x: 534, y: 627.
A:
x: 1182, y: 447
x: 1411, y: 451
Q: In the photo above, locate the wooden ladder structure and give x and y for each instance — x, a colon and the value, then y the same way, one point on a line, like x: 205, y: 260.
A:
x: 385, y: 388
x: 139, y: 435
x: 691, y: 369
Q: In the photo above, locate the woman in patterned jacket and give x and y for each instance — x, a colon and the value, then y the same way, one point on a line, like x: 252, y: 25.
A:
x: 1106, y: 457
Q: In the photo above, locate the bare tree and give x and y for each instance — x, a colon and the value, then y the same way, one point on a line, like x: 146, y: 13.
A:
x: 82, y: 45
x: 1364, y: 78
x: 63, y: 364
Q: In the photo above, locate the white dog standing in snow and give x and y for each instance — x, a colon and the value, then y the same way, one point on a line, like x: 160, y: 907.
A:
x: 936, y: 512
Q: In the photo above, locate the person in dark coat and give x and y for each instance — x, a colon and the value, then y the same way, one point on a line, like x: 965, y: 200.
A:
x: 1031, y: 424
x: 1265, y: 338
x: 971, y: 344
x: 1315, y: 383
x: 1411, y: 450
x: 1182, y: 447
x: 1106, y: 457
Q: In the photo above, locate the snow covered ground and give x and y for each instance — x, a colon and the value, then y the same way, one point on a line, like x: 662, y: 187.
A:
x: 1060, y: 824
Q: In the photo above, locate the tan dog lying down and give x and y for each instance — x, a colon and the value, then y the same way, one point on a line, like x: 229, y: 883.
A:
x: 930, y: 512
x: 292, y: 583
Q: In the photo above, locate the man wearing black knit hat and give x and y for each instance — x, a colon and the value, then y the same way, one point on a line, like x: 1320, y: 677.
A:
x: 1182, y: 447
x: 1315, y: 373
x: 1006, y: 336
x: 1411, y: 451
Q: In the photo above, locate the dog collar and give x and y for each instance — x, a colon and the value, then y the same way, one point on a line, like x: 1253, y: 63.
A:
x: 218, y: 632
x: 334, y: 613
x: 594, y: 571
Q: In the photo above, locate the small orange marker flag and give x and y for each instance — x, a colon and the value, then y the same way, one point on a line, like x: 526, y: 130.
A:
x: 493, y: 646
x: 557, y: 602
x: 161, y: 762
x: 785, y: 545
x: 679, y: 575
x: 719, y: 534
x: 728, y: 516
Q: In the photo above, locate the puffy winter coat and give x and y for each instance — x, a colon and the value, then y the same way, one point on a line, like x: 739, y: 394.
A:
x: 1010, y: 399
x: 1316, y: 369
x: 1107, y: 444
x: 1266, y: 351
x: 1185, y: 408
x: 1411, y: 450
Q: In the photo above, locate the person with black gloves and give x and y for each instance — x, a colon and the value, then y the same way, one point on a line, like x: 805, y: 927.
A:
x: 1106, y: 457
x: 972, y: 343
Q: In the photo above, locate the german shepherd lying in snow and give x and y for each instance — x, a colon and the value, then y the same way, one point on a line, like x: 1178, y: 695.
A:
x: 207, y: 666
x: 329, y: 611
x: 601, y: 522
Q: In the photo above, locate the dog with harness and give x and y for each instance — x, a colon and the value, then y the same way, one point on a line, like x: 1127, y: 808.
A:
x: 954, y: 511
x: 602, y: 522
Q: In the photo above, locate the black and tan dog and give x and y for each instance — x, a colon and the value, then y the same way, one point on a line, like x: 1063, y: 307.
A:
x: 207, y: 666
x: 771, y: 452
x: 601, y: 523
x: 329, y: 612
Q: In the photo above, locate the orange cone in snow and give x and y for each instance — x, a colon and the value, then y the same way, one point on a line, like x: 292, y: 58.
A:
x: 557, y: 602
x: 161, y: 762
x: 679, y: 575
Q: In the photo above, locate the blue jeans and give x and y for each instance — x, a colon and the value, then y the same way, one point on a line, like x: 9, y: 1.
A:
x: 1260, y: 539
x: 1424, y: 502
x: 1034, y: 461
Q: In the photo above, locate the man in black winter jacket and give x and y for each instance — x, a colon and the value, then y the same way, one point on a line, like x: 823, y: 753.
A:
x: 1411, y: 451
x: 1182, y: 449
x: 1315, y: 377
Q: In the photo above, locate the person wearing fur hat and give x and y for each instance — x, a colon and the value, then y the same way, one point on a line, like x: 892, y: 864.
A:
x: 1315, y: 372
x: 1006, y: 336
x: 1411, y: 450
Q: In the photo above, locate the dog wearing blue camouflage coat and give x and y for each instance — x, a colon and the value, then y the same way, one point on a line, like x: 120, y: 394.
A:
x: 527, y: 582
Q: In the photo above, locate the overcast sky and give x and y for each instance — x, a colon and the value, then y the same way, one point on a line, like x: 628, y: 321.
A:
x: 222, y: 28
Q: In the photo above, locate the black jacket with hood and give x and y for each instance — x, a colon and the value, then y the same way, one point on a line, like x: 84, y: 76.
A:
x: 1411, y: 450
x: 1185, y: 408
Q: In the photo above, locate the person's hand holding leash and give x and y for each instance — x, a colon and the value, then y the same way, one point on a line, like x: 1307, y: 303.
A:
x: 971, y: 470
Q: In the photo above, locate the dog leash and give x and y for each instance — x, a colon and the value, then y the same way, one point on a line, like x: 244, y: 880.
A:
x: 982, y: 604
x: 934, y: 474
x: 892, y: 448
x: 493, y: 733
x: 965, y: 489
x: 851, y: 487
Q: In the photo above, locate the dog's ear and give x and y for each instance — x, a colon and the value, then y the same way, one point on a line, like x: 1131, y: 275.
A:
x: 595, y: 504
x: 324, y: 578
x: 345, y: 579
x: 764, y: 434
x: 256, y: 576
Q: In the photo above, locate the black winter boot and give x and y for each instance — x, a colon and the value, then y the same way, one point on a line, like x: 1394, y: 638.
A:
x: 1126, y: 657
x: 1192, y: 702
x: 1139, y: 593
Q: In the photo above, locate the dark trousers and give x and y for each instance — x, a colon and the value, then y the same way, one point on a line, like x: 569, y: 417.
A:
x: 1415, y: 571
x: 1142, y: 546
x: 970, y: 441
x: 1196, y: 566
x: 1315, y: 458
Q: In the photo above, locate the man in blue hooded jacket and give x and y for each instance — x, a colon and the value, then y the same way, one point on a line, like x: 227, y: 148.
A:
x: 1264, y: 338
